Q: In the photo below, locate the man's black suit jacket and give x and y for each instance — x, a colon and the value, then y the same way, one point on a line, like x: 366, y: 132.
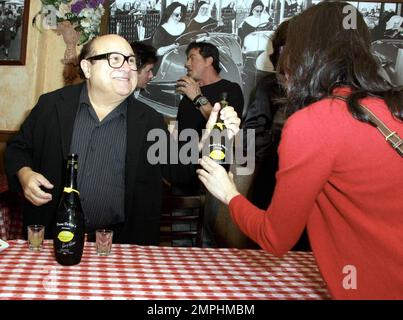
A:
x: 43, y: 144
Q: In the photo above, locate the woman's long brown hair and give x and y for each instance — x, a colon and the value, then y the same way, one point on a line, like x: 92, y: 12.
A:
x: 322, y: 52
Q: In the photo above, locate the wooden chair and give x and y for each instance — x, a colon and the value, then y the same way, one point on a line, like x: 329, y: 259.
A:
x: 170, y: 218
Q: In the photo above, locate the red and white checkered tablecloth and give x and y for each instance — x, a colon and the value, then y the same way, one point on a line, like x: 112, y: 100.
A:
x: 140, y: 272
x: 10, y: 223
x: 10, y: 212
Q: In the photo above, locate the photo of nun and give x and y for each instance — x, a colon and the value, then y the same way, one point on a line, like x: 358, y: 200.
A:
x: 255, y: 19
x: 171, y: 26
x: 201, y: 18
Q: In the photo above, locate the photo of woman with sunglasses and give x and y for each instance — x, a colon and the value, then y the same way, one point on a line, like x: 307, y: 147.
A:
x: 201, y: 18
x: 171, y: 26
x: 257, y: 17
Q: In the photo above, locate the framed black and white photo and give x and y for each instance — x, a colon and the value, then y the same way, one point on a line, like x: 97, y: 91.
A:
x: 242, y: 30
x: 385, y: 21
x: 13, y: 31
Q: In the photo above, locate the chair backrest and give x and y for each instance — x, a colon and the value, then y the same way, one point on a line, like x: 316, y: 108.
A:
x: 182, y: 210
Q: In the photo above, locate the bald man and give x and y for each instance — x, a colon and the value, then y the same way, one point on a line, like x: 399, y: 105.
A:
x: 100, y: 121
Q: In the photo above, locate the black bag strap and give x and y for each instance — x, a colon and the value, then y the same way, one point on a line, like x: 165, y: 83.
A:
x: 390, y: 136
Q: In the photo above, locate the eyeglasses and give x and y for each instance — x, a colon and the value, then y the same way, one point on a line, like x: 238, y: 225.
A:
x: 116, y: 60
x: 257, y: 11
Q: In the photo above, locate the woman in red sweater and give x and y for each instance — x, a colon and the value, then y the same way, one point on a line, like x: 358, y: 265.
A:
x: 337, y: 174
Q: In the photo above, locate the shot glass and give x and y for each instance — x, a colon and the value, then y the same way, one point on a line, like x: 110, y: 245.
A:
x: 103, y: 242
x: 36, y: 234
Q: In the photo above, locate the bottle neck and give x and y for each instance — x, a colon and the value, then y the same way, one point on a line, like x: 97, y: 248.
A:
x: 71, y: 175
x: 223, y: 104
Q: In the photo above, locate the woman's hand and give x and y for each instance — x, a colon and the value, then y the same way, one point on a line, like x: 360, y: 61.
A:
x: 214, y: 177
x: 230, y: 118
x: 228, y: 115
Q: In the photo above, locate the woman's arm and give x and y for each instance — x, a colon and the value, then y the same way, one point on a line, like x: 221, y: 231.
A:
x: 306, y: 162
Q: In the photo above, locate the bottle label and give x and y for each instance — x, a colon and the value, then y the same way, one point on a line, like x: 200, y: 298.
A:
x: 70, y: 190
x: 217, y: 154
x: 65, y: 236
x: 68, y: 239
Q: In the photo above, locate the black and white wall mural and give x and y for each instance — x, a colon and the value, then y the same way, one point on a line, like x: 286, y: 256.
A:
x: 242, y: 30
